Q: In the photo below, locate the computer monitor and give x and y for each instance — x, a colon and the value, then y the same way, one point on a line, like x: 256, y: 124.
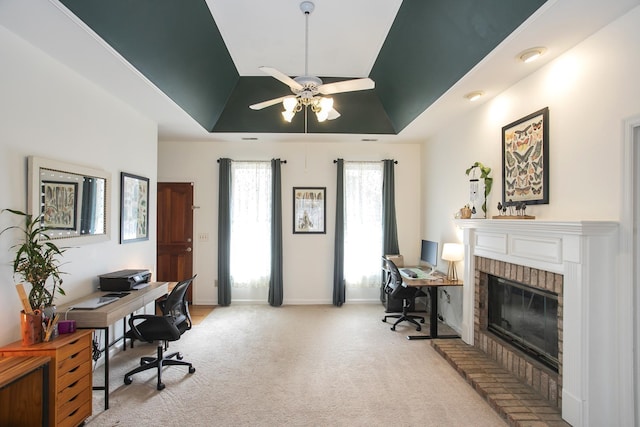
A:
x: 429, y: 254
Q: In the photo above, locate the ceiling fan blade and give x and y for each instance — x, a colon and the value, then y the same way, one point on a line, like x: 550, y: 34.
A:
x: 347, y: 86
x: 269, y: 103
x: 282, y: 77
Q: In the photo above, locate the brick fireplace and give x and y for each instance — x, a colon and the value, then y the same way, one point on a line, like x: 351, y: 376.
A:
x: 578, y: 259
x: 543, y: 379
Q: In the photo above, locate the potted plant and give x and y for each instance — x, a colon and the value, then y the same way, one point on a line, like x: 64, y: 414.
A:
x: 37, y: 260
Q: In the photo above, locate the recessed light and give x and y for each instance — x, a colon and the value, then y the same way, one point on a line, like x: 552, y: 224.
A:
x: 532, y: 54
x: 474, y: 96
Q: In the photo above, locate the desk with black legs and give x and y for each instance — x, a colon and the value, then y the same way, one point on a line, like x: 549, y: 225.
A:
x: 107, y: 315
x: 432, y: 286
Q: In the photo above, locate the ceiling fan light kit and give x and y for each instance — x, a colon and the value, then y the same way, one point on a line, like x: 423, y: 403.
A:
x: 307, y: 89
x: 323, y: 107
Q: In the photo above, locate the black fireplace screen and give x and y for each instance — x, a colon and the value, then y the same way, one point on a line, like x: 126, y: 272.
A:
x: 525, y: 316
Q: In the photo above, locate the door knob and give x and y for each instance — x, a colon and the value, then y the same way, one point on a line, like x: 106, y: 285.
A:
x: 188, y: 249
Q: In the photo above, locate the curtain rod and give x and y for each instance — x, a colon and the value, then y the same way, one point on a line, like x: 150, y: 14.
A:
x: 370, y: 161
x: 281, y: 161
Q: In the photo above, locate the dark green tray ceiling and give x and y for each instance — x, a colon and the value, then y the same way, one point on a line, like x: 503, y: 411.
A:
x: 176, y: 44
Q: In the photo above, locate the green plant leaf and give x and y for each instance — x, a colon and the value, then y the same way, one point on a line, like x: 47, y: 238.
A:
x: 36, y: 260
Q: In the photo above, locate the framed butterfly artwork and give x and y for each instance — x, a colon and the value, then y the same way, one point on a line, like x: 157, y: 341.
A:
x: 525, y: 159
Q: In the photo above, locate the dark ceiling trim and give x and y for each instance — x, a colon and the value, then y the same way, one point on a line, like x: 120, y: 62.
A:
x: 433, y: 44
x: 176, y: 44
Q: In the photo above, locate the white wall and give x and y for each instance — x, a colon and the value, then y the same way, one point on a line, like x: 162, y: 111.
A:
x: 589, y: 90
x: 308, y: 259
x: 47, y: 110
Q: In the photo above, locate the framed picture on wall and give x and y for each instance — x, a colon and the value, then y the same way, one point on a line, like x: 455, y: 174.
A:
x: 309, y: 210
x: 525, y: 159
x: 134, y: 208
x: 59, y: 205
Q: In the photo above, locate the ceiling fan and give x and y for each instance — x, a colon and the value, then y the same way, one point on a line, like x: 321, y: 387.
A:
x: 307, y: 89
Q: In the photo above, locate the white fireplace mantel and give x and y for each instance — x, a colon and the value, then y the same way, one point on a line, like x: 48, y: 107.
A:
x: 585, y: 252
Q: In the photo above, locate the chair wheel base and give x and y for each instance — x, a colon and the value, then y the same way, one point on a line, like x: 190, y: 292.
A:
x: 128, y: 380
x: 192, y: 369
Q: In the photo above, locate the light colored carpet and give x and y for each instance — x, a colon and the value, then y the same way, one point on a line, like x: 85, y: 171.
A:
x: 297, y: 366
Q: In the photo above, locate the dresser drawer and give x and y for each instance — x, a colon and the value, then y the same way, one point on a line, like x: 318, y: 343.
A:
x: 66, y: 378
x: 74, y: 414
x: 73, y: 388
x: 74, y: 347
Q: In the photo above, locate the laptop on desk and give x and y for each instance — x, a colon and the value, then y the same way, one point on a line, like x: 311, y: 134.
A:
x: 93, y: 303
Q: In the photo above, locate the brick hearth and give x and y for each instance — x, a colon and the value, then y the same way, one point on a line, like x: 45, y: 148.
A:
x: 518, y: 403
x: 521, y: 390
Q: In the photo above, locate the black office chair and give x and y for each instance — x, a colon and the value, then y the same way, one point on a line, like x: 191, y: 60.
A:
x: 168, y: 327
x: 396, y: 289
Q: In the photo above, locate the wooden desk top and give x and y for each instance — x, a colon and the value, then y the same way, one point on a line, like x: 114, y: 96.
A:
x: 171, y: 286
x: 109, y: 314
x: 440, y: 281
x: 16, y: 367
x: 42, y: 348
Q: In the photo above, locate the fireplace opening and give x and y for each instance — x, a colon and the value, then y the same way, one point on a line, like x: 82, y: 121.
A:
x: 526, y: 317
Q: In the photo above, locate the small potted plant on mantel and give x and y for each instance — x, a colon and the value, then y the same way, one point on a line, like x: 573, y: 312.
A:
x: 37, y: 260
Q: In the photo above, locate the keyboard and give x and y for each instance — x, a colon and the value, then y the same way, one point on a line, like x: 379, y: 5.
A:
x: 409, y: 273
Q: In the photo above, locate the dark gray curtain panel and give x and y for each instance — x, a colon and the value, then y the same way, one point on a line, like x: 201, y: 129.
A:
x: 275, y: 281
x: 224, y: 233
x: 389, y: 225
x: 338, y: 260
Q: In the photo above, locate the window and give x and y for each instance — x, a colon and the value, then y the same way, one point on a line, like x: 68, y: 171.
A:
x: 250, y: 224
x: 363, y: 223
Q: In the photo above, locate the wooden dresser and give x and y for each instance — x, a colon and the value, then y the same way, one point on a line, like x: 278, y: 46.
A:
x: 23, y: 399
x: 70, y: 374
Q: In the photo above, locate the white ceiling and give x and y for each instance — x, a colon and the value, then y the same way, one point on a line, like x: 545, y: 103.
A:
x: 344, y: 36
x: 344, y: 39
